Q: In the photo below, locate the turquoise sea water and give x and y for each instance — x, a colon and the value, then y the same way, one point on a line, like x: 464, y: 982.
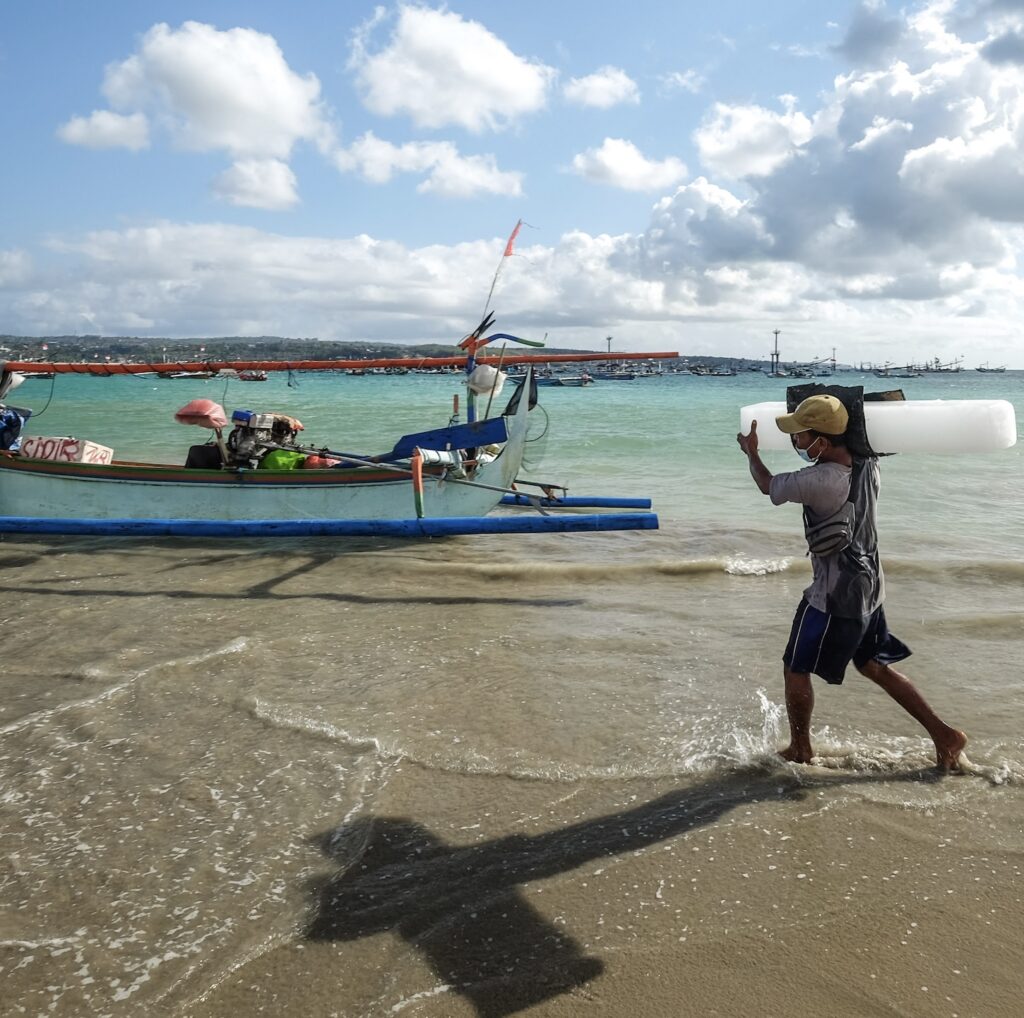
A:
x: 672, y: 438
x: 508, y: 775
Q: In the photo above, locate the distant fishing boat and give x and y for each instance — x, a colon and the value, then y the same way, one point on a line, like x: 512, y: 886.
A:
x: 188, y: 375
x: 888, y: 372
x: 985, y: 367
x: 613, y: 374
x: 567, y: 381
x: 938, y: 367
x: 552, y: 380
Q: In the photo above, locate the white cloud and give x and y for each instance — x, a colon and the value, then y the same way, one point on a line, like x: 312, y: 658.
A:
x: 872, y: 35
x: 217, y: 279
x: 703, y: 224
x: 682, y: 81
x: 606, y: 87
x: 455, y: 176
x: 439, y: 69
x: 621, y: 164
x: 193, y: 280
x: 742, y: 141
x: 105, y: 129
x: 219, y: 90
x: 213, y: 91
x: 880, y: 128
x: 258, y: 183
x: 451, y: 175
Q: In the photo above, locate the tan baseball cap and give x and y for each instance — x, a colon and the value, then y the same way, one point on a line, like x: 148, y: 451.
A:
x: 817, y: 413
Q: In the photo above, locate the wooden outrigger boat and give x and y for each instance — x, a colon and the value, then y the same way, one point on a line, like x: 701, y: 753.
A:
x: 443, y: 481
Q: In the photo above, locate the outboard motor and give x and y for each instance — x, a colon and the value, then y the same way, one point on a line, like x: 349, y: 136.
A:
x: 254, y: 435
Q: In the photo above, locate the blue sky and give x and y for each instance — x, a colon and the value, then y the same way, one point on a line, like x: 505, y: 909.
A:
x: 693, y: 176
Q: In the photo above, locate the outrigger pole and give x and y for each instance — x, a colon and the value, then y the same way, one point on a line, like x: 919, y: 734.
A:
x: 124, y: 368
x: 435, y: 526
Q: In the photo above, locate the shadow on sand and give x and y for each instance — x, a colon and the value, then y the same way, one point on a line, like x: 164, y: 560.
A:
x: 263, y: 590
x: 460, y: 907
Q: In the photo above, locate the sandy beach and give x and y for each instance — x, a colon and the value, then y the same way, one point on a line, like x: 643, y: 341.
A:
x: 308, y: 793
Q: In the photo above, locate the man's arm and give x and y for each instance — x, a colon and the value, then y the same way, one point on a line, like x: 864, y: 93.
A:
x: 761, y: 474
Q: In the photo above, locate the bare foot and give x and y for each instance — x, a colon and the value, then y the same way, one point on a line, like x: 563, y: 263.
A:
x: 800, y: 756
x: 948, y: 750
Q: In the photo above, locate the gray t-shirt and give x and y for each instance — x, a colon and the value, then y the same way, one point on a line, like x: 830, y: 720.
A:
x: 848, y: 583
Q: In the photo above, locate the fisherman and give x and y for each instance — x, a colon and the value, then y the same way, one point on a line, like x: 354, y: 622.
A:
x: 840, y: 617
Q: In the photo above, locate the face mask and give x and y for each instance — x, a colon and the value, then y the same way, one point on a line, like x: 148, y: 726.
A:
x: 805, y: 454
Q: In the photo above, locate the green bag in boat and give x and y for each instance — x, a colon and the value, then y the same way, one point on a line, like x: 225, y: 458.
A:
x: 282, y: 459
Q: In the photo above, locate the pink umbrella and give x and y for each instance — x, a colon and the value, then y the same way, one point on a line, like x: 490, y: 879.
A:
x: 206, y: 414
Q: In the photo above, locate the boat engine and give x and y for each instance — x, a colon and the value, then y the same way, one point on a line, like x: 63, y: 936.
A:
x: 254, y: 435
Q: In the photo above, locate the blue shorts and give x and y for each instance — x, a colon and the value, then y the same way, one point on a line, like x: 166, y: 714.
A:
x: 825, y: 644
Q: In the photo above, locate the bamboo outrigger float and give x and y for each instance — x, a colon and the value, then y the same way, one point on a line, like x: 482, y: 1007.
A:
x: 440, y: 482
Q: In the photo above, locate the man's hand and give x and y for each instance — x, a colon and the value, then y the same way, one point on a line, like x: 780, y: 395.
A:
x: 748, y: 443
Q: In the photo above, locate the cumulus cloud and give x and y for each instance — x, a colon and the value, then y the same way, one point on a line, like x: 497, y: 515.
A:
x: 258, y: 183
x: 621, y: 164
x: 746, y: 141
x: 900, y: 196
x: 1007, y: 48
x: 707, y: 224
x: 219, y: 90
x: 203, y: 279
x: 872, y: 35
x: 606, y: 87
x: 450, y: 174
x: 213, y: 91
x: 106, y: 129
x: 440, y: 69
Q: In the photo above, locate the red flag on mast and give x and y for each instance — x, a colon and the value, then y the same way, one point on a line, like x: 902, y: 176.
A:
x: 512, y: 240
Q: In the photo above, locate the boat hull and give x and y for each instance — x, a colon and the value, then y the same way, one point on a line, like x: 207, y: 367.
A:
x: 138, y: 491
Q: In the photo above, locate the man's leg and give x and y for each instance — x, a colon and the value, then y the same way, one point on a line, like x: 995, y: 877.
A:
x: 799, y: 707
x: 949, y: 742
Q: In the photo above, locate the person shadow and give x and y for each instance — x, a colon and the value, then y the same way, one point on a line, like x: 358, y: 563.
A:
x: 461, y: 906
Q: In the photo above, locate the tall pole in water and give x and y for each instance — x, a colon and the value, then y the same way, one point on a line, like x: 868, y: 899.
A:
x: 775, y: 352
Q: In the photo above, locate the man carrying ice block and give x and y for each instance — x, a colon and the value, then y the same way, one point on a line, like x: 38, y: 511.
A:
x: 840, y: 617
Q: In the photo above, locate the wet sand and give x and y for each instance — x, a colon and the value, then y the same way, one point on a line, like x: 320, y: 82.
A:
x: 478, y: 780
x: 756, y: 894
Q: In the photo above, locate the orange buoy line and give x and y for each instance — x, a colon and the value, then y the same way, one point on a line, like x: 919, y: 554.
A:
x: 121, y: 368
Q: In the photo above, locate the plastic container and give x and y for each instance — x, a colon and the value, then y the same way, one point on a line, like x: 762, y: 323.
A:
x: 66, y: 450
x: 913, y: 425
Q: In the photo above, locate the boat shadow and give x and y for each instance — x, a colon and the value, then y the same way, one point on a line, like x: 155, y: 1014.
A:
x: 266, y: 589
x: 462, y: 909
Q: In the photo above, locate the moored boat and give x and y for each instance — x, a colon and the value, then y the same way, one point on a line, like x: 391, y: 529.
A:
x: 566, y: 381
x: 363, y: 486
x: 262, y: 477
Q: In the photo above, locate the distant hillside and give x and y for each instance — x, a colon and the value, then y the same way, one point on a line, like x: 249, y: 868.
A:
x: 274, y: 348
